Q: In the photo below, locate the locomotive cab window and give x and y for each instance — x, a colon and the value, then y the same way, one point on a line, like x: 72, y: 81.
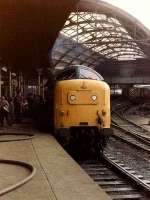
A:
x: 67, y: 74
x: 78, y: 72
x: 86, y: 73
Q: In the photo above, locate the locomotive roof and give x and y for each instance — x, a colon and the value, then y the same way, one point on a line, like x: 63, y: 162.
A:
x: 78, y: 72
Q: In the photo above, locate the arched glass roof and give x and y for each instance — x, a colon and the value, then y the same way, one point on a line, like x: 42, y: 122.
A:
x: 102, y: 34
x: 89, y: 34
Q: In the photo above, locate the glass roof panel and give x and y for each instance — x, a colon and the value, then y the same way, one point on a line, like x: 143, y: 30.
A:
x: 91, y: 37
x: 114, y: 20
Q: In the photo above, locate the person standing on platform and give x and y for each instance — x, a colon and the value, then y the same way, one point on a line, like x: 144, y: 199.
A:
x: 18, y: 107
x: 4, y: 111
x: 11, y: 110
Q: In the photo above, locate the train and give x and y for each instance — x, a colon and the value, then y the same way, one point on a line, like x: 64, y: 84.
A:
x: 81, y: 110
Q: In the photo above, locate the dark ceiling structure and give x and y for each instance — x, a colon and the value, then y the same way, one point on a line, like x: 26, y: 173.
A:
x: 28, y: 30
x: 92, y: 32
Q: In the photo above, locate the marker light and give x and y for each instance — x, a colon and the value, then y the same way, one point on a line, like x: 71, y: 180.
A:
x: 94, y: 97
x: 72, y: 97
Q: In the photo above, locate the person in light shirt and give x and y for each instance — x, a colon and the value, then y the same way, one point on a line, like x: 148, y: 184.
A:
x: 4, y: 111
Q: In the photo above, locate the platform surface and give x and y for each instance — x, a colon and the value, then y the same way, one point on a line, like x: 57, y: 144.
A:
x: 58, y: 176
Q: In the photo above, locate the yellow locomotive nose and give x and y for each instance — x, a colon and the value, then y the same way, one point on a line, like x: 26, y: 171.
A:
x: 82, y: 97
x: 82, y: 107
x: 76, y: 106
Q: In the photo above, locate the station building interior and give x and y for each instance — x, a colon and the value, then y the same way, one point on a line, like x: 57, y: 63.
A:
x: 92, y: 33
x: 38, y: 40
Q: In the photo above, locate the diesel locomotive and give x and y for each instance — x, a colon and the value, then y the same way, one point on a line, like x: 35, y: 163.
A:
x: 81, y: 109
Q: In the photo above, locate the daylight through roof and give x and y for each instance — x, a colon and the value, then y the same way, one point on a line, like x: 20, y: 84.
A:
x: 89, y: 38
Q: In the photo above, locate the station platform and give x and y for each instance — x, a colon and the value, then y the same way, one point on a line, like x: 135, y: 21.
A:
x: 58, y: 176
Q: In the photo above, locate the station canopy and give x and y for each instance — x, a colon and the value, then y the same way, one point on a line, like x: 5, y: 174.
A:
x: 92, y: 37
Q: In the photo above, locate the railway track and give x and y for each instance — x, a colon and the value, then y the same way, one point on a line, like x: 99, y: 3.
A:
x: 118, y: 180
x: 130, y: 138
x: 130, y: 127
x: 126, y: 131
x: 120, y: 105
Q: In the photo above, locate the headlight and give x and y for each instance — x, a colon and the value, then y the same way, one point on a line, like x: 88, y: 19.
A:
x: 94, y: 97
x: 72, y: 97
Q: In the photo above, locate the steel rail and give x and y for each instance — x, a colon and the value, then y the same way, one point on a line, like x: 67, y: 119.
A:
x: 139, y: 131
x: 132, y: 134
x: 127, y: 171
x: 131, y: 143
x: 117, y: 185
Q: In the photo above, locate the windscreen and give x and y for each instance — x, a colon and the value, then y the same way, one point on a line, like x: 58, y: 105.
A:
x: 87, y: 73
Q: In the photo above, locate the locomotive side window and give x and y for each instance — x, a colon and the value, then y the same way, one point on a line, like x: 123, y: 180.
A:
x: 89, y: 74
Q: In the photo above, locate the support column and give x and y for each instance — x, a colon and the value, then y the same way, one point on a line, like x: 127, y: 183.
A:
x: 0, y: 81
x: 10, y: 83
x: 14, y: 83
x: 24, y: 86
x: 43, y: 83
x: 19, y: 82
x: 39, y: 70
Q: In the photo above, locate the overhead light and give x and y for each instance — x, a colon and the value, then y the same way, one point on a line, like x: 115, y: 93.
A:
x: 59, y: 67
x: 13, y: 74
x: 4, y: 69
